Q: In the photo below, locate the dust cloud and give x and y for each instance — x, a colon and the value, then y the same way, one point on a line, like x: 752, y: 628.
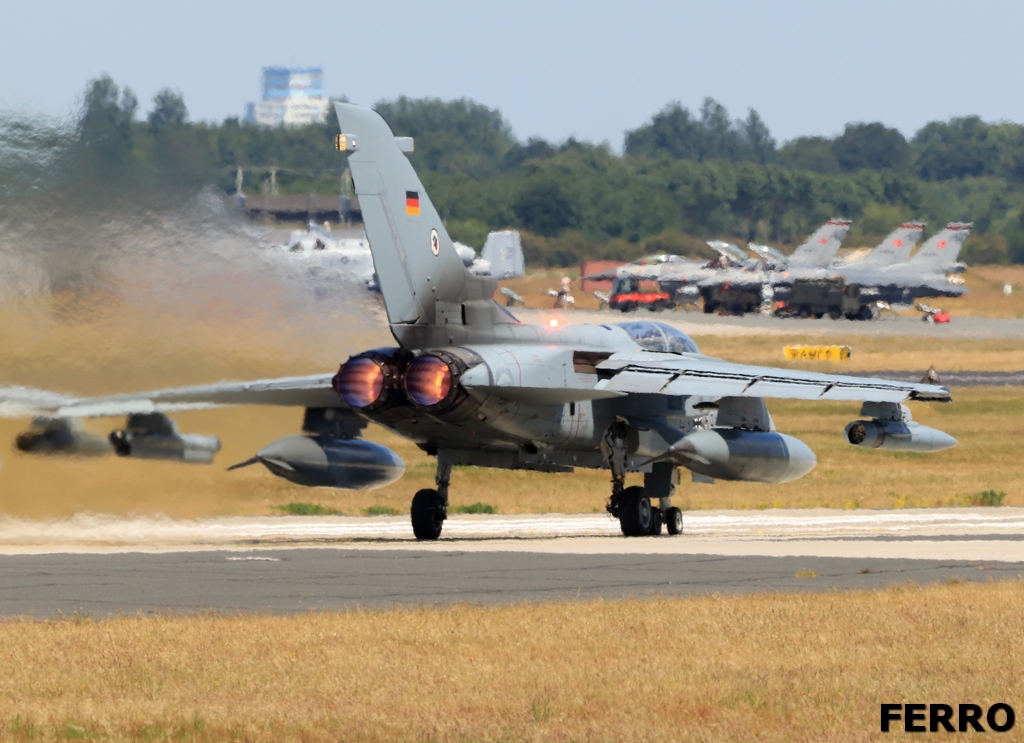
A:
x: 115, y: 282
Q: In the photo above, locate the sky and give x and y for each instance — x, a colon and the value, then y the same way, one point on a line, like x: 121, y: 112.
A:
x: 591, y: 70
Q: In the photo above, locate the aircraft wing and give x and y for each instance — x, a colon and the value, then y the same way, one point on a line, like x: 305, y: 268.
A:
x: 24, y: 402
x: 311, y: 392
x: 690, y: 374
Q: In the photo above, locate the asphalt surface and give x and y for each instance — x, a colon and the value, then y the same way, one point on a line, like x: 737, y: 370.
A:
x: 107, y: 566
x: 298, y: 580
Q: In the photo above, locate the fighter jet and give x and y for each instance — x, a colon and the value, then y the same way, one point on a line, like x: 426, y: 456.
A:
x: 323, y: 256
x: 321, y: 252
x: 928, y: 273
x: 471, y: 385
x: 732, y: 281
x: 848, y: 288
x: 895, y: 248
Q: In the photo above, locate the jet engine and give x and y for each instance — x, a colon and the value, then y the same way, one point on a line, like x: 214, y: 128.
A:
x: 370, y: 381
x: 748, y: 456
x: 893, y: 428
x: 61, y: 436
x: 155, y: 436
x: 897, y: 436
x: 330, y: 462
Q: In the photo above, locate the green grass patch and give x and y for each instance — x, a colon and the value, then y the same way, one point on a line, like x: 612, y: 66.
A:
x: 988, y: 498
x: 381, y: 511
x: 475, y: 508
x: 306, y: 509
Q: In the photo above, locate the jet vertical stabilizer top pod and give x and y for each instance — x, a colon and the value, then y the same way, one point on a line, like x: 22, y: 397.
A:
x: 893, y: 428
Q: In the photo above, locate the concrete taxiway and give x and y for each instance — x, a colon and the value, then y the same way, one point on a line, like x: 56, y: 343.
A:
x: 106, y: 565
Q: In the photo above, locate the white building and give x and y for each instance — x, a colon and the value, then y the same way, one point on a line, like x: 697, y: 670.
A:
x: 292, y: 97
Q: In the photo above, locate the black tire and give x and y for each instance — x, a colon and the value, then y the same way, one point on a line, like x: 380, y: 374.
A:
x: 427, y: 514
x: 804, y: 312
x: 709, y: 307
x: 635, y: 513
x: 674, y: 520
x: 657, y: 521
x: 835, y: 313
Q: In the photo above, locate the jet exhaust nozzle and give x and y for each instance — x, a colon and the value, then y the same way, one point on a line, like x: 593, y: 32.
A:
x: 897, y: 436
x: 329, y: 462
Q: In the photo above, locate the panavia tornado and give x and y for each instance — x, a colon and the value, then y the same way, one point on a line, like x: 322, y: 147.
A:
x: 470, y: 385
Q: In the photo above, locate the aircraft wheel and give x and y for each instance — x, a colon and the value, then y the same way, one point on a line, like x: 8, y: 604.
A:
x: 674, y: 520
x: 427, y: 514
x: 635, y: 514
x: 657, y: 521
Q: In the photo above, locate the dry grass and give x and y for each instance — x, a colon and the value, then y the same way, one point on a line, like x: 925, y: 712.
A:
x: 871, y: 353
x: 762, y: 667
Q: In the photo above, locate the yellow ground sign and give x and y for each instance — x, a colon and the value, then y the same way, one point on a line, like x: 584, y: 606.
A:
x: 817, y: 353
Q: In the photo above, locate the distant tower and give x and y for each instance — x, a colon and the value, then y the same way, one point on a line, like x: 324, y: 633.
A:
x: 292, y: 97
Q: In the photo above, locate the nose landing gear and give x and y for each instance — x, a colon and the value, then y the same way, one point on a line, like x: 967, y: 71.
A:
x: 632, y: 506
x: 430, y: 507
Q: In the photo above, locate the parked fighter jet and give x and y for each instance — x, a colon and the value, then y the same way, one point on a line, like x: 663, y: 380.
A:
x: 851, y: 289
x: 683, y: 280
x: 318, y: 249
x: 895, y: 248
x: 473, y: 386
x: 926, y: 274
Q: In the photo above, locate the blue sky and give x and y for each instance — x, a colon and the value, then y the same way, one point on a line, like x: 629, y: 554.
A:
x: 590, y: 70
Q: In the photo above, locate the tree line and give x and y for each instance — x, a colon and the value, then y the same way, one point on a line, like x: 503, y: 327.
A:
x: 682, y: 177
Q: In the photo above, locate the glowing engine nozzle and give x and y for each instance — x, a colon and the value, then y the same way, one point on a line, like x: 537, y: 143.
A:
x: 428, y: 381
x: 360, y: 382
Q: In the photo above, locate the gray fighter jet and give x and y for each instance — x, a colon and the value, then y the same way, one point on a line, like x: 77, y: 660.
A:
x: 847, y: 288
x: 471, y: 385
x: 681, y: 280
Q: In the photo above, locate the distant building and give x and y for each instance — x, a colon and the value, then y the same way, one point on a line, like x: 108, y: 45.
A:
x: 292, y: 97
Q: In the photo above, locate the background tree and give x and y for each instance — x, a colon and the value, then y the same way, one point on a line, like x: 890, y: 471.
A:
x: 168, y: 110
x: 105, y: 124
x: 870, y: 146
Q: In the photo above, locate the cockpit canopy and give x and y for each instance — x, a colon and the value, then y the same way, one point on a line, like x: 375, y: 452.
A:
x: 660, y: 337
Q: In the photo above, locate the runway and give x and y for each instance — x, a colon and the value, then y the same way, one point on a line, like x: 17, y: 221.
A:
x: 103, y: 566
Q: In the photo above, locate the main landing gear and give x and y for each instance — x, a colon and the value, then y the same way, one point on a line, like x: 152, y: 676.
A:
x: 430, y: 507
x: 632, y: 506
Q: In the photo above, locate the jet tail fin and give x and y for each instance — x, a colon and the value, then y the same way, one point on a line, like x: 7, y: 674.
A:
x: 940, y: 252
x: 897, y: 245
x: 421, y: 276
x: 821, y: 247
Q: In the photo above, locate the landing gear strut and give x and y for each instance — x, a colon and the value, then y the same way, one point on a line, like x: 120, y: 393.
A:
x: 430, y: 507
x: 632, y: 506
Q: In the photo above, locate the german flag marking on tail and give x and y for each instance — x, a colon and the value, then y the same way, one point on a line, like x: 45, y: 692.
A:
x: 412, y: 203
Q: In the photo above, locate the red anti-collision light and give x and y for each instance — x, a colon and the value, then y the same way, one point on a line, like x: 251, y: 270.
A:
x: 360, y: 382
x: 428, y: 380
